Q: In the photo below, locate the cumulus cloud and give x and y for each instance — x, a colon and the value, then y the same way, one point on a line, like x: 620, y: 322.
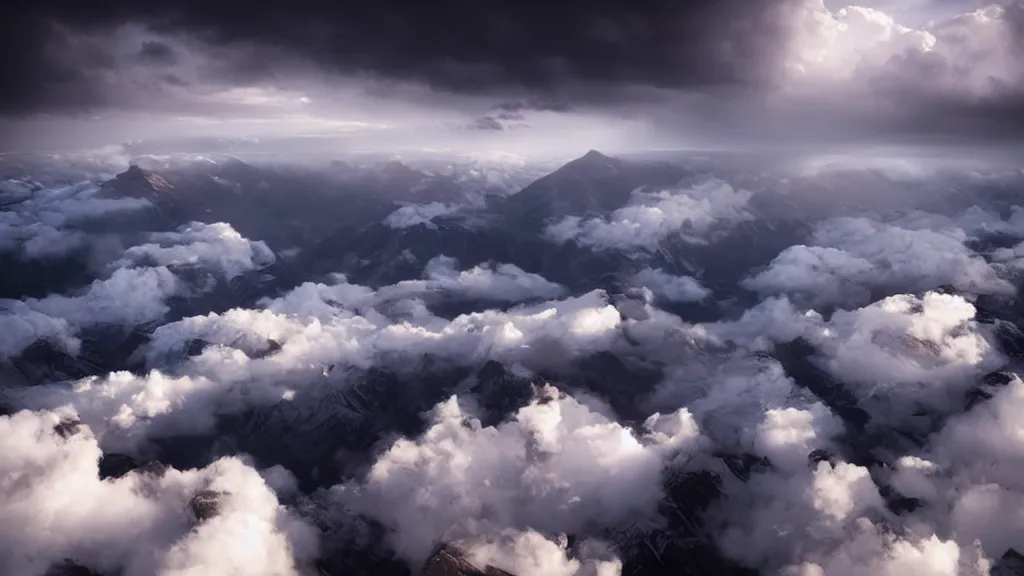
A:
x: 132, y: 295
x: 531, y: 553
x: 851, y: 257
x: 965, y: 477
x: 654, y: 216
x: 549, y: 488
x: 129, y: 297
x: 339, y: 323
x: 257, y: 358
x: 899, y: 356
x: 970, y: 54
x: 55, y: 508
x: 557, y: 467
x: 504, y: 493
x: 489, y: 282
x: 211, y: 246
x: 671, y: 287
x: 42, y: 223
x: 906, y: 352
x: 798, y: 514
x: 416, y: 214
x: 740, y: 388
x: 1009, y: 260
x: 21, y: 326
x: 959, y: 68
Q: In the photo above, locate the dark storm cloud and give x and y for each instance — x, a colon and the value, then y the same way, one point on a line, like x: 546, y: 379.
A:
x: 995, y: 110
x: 520, y: 106
x: 517, y: 109
x: 157, y: 53
x: 173, y: 80
x: 452, y: 45
x: 47, y: 67
x: 487, y: 123
x: 767, y: 70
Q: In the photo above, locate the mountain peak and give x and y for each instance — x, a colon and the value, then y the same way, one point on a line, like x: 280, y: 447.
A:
x: 447, y: 560
x: 592, y: 160
x: 595, y: 156
x: 138, y: 182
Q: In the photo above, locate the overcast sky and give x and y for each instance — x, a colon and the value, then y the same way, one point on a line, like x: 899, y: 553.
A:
x: 511, y: 75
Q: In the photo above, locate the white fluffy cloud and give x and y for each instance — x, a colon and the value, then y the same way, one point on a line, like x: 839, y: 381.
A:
x: 967, y: 478
x: 739, y: 388
x: 40, y: 222
x: 21, y: 326
x: 850, y: 257
x: 415, y: 214
x: 488, y: 282
x: 557, y: 467
x: 560, y: 465
x: 214, y: 246
x: 531, y: 553
x: 969, y: 56
x: 653, y: 217
x: 129, y: 297
x: 907, y: 353
x: 338, y: 323
x: 54, y: 506
x: 313, y: 327
x: 898, y: 356
x: 801, y: 517
x: 671, y: 287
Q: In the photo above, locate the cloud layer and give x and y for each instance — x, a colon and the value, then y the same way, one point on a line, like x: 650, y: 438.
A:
x: 853, y: 412
x: 56, y: 508
x: 654, y: 216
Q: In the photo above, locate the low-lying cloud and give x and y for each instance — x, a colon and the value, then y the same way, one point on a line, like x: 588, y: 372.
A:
x: 416, y: 214
x: 56, y: 509
x: 850, y: 259
x: 858, y: 418
x: 655, y: 216
x: 211, y: 246
x: 44, y: 223
x: 557, y: 467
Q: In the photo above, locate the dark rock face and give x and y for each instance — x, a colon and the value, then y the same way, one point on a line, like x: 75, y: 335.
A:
x: 684, y: 546
x: 501, y: 392
x: 67, y: 428
x: 795, y: 358
x: 614, y: 379
x: 70, y: 568
x: 138, y: 183
x: 1011, y: 339
x: 36, y: 278
x: 593, y: 183
x: 327, y: 430
x: 1011, y: 564
x: 446, y: 560
x: 898, y: 503
x: 821, y: 455
x: 743, y: 465
x: 205, y: 504
x: 116, y: 465
x: 46, y: 361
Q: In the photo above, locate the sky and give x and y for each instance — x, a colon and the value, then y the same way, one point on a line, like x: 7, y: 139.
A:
x: 506, y: 75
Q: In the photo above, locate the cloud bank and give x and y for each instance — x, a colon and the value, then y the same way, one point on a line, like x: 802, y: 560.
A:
x: 56, y: 508
x: 653, y: 217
